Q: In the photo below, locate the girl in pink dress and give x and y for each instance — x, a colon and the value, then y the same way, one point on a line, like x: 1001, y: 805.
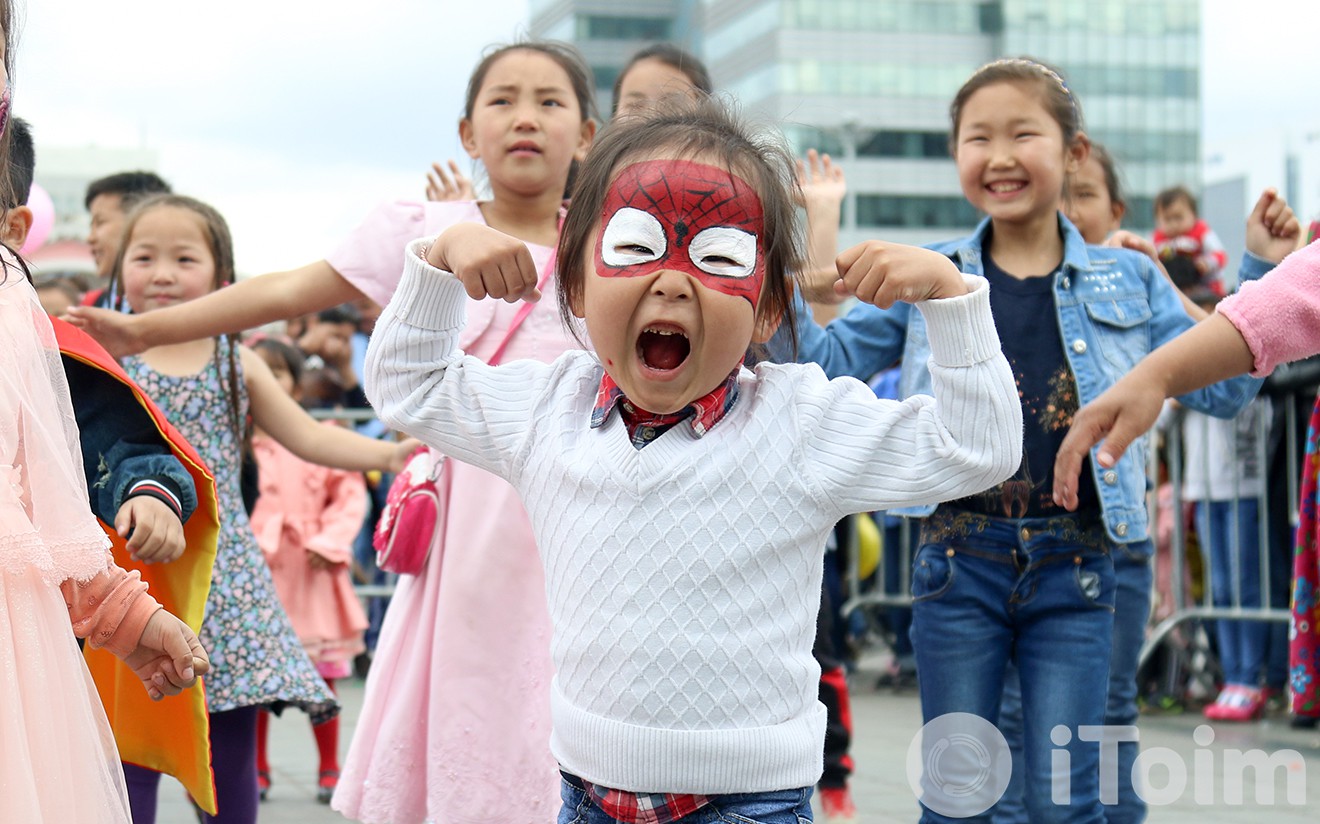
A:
x: 58, y: 757
x: 305, y: 521
x: 455, y: 725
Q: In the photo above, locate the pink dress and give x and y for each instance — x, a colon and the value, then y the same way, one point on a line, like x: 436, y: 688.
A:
x: 455, y: 726
x: 305, y: 508
x: 58, y: 760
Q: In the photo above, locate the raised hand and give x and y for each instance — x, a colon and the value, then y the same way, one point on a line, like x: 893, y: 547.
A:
x: 883, y: 273
x: 451, y: 185
x: 1272, y: 228
x: 820, y: 180
x: 488, y: 262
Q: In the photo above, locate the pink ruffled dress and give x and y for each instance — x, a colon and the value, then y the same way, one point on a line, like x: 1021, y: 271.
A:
x: 58, y: 760
x: 455, y: 726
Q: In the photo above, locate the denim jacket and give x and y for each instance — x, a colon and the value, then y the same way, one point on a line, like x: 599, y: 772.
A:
x: 1113, y: 307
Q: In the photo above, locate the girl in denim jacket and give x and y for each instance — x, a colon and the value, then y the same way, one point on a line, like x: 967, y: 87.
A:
x: 1008, y: 574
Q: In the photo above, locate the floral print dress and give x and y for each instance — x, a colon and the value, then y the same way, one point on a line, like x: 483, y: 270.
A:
x: 1304, y: 665
x: 256, y: 658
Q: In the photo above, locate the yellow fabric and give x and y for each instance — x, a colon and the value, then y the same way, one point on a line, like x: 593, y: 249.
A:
x: 171, y: 735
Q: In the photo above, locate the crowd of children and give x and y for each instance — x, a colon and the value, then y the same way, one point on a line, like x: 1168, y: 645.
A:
x: 648, y: 440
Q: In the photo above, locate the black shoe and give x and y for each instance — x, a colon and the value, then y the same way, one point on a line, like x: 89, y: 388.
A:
x: 1303, y: 722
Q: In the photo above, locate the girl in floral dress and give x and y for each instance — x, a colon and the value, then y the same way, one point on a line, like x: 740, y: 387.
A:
x: 177, y: 249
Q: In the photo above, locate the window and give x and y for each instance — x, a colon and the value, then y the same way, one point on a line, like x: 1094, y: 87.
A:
x: 595, y: 27
x: 916, y: 212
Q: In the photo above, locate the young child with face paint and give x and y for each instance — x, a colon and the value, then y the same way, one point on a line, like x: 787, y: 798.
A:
x: 680, y: 500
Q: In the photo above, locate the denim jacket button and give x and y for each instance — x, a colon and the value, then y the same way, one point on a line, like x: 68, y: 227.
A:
x: 1025, y: 534
x: 1079, y: 346
x: 1121, y: 530
x: 1111, y: 477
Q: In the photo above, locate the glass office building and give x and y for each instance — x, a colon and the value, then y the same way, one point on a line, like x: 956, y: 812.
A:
x: 870, y: 81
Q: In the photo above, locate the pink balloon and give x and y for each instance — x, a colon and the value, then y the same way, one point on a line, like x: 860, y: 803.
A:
x: 43, y: 219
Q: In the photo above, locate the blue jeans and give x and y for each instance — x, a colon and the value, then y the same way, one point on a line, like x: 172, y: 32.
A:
x: 1131, y: 612
x: 1220, y: 525
x: 777, y: 807
x: 1038, y: 592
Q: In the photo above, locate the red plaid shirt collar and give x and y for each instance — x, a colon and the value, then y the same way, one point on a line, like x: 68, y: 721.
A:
x: 645, y: 426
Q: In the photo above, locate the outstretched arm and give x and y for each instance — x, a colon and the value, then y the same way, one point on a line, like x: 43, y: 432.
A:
x: 1213, y: 350
x: 277, y: 414
x: 248, y: 303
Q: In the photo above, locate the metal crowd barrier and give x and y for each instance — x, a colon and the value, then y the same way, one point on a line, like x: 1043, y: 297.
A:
x: 890, y: 586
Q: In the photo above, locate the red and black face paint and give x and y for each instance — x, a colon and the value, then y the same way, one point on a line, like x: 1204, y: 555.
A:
x: 687, y: 217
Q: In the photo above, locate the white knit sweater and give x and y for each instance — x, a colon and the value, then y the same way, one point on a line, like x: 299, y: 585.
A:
x: 683, y: 578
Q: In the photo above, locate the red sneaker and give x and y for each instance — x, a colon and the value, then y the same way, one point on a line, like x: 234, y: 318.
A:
x: 836, y: 805
x: 263, y: 784
x: 1237, y: 702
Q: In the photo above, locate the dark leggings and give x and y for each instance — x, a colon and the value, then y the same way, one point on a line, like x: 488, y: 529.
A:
x: 234, y: 760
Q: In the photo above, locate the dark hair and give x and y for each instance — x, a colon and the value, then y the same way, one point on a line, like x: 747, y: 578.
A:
x: 62, y: 285
x: 22, y: 163
x: 704, y: 128
x: 1172, y: 195
x: 670, y: 55
x: 6, y: 186
x: 1106, y: 160
x: 221, y: 245
x: 292, y: 357
x: 343, y: 313
x: 132, y: 188
x: 567, y: 57
x: 1057, y: 98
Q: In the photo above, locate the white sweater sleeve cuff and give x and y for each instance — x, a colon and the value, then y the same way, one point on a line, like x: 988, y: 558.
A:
x: 427, y: 297
x: 961, y: 330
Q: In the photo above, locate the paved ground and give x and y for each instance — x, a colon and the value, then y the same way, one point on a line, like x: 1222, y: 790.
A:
x: 886, y: 722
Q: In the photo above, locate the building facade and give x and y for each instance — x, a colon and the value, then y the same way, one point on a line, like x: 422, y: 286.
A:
x: 870, y: 81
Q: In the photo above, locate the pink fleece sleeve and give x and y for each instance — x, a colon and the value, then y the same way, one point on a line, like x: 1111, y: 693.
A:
x: 110, y: 610
x: 1279, y: 315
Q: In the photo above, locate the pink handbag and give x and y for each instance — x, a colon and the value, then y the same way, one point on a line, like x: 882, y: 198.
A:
x: 413, y: 511
x: 415, y: 506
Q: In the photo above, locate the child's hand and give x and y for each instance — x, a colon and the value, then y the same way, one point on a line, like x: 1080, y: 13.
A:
x: 448, y: 186
x: 168, y: 657
x: 154, y: 532
x: 1123, y: 239
x: 1272, y: 228
x: 117, y: 332
x: 882, y: 273
x: 402, y: 451
x: 1121, y: 414
x: 489, y: 263
x: 820, y: 180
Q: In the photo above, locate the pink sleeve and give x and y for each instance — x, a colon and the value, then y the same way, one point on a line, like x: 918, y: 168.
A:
x: 345, y: 508
x: 1279, y: 315
x: 110, y: 610
x: 371, y: 257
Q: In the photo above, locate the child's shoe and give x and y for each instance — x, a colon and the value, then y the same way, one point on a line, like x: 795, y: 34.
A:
x: 836, y: 805
x: 1237, y: 702
x: 325, y: 785
x: 263, y: 784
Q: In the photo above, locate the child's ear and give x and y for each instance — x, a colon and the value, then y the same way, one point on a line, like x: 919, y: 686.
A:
x: 585, y: 139
x: 1078, y: 152
x: 16, y: 225
x: 468, y: 138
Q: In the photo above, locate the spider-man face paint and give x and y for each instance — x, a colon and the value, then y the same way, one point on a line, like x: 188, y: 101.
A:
x: 683, y: 216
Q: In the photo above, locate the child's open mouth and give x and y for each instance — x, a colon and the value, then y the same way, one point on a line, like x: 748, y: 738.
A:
x: 663, y: 347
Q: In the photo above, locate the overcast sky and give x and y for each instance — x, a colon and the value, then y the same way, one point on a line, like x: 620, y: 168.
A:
x: 295, y: 117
